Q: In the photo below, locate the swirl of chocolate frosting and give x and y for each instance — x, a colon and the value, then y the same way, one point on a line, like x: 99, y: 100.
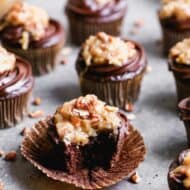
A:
x: 92, y: 9
x: 128, y: 70
x: 184, y: 108
x: 16, y: 82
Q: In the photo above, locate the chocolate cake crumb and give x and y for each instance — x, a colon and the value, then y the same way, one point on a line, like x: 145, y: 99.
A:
x: 135, y: 178
x: 10, y: 156
x: 36, y: 114
x: 37, y: 101
x: 139, y: 23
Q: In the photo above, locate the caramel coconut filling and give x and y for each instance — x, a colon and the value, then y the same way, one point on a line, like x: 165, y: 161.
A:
x: 180, y: 53
x: 7, y: 60
x: 33, y: 20
x: 106, y: 49
x: 78, y: 120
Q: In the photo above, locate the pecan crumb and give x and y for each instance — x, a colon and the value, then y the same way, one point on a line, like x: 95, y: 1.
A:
x: 1, y: 185
x: 148, y: 69
x: 129, y: 107
x: 10, y: 156
x: 139, y: 23
x: 135, y: 178
x: 37, y: 101
x: 36, y: 114
x: 2, y: 153
x: 24, y: 131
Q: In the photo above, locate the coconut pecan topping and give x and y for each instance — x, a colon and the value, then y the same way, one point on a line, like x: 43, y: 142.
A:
x: 34, y: 21
x: 179, y: 9
x: 7, y: 60
x: 181, y: 52
x: 106, y: 49
x: 84, y: 117
x: 183, y: 171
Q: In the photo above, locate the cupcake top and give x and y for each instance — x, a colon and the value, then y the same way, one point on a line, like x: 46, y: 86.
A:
x: 181, y: 172
x: 7, y: 60
x: 177, y: 9
x: 105, y: 49
x: 180, y: 53
x: 78, y: 120
x: 33, y: 21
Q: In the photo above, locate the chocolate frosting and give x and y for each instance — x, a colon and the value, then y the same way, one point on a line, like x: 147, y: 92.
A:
x: 54, y: 34
x: 17, y: 81
x: 184, y: 108
x: 90, y: 10
x: 106, y: 72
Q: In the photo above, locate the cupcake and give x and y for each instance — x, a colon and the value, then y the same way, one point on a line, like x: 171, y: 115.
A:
x: 174, y: 17
x: 178, y: 177
x: 112, y: 69
x: 184, y: 109
x: 16, y: 82
x: 179, y: 64
x: 86, y: 143
x: 89, y: 17
x: 29, y: 32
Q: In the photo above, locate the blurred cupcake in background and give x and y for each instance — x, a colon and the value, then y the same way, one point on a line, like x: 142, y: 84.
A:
x: 29, y: 32
x: 89, y: 17
x: 174, y: 17
x: 112, y: 69
x: 179, y: 64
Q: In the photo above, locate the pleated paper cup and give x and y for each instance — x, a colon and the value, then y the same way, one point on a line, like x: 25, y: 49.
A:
x: 38, y: 149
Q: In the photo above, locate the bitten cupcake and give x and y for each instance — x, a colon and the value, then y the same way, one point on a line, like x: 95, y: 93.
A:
x: 179, y: 64
x: 174, y: 17
x: 112, y: 69
x: 178, y: 177
x: 86, y: 143
x: 89, y: 17
x: 29, y: 32
x: 16, y: 84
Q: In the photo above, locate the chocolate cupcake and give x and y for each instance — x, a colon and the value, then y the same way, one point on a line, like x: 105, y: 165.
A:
x: 29, y: 32
x: 89, y: 17
x: 178, y: 177
x: 175, y: 22
x: 179, y: 64
x: 112, y: 69
x: 86, y: 143
x: 184, y: 109
x: 16, y: 84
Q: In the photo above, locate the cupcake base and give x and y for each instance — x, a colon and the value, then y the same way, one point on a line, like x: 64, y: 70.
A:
x: 39, y: 150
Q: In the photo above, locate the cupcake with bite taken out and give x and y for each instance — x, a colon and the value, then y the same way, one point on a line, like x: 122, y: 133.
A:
x: 89, y: 17
x: 16, y: 83
x: 112, y: 69
x: 29, y: 32
x: 86, y: 143
x: 174, y: 17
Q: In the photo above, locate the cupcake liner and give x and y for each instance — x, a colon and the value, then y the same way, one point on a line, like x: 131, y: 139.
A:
x: 43, y: 60
x: 36, y: 145
x: 13, y: 109
x: 85, y: 29
x: 171, y: 37
x: 117, y: 93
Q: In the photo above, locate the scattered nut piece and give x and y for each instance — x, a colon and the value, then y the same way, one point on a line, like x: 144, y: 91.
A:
x: 133, y: 31
x: 1, y: 185
x: 139, y: 23
x: 148, y: 69
x: 131, y: 116
x: 2, y: 153
x: 24, y: 131
x: 36, y: 114
x: 135, y: 178
x: 129, y: 107
x: 10, y: 156
x: 63, y: 60
x: 37, y: 101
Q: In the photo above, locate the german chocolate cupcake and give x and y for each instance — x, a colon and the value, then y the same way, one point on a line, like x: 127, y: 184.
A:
x: 178, y: 177
x: 89, y: 17
x: 179, y: 64
x: 16, y: 84
x: 175, y: 22
x: 184, y: 109
x: 29, y: 32
x: 86, y: 143
x: 112, y: 69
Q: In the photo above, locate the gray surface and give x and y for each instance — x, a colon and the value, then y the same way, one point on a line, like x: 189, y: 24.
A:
x: 156, y: 115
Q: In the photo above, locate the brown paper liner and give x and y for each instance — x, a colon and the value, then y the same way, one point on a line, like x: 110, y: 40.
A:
x: 43, y: 60
x: 13, y: 109
x: 85, y: 29
x: 117, y: 93
x: 171, y: 37
x: 37, y: 143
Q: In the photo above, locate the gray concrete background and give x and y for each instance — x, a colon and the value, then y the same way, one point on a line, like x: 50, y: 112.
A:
x: 156, y: 115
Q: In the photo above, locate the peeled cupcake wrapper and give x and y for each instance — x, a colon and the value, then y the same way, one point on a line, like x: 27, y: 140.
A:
x: 43, y: 60
x: 13, y: 109
x: 117, y: 93
x: 37, y: 143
